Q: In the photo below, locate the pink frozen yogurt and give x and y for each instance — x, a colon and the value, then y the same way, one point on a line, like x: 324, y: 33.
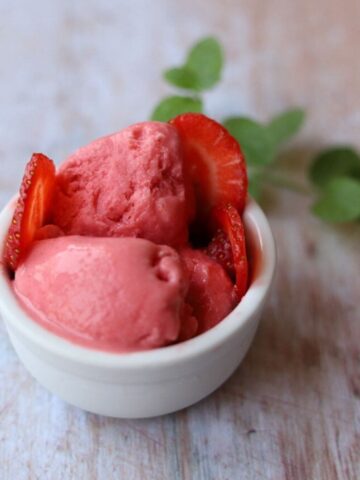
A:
x: 117, y: 294
x: 115, y: 270
x: 211, y: 292
x: 127, y: 184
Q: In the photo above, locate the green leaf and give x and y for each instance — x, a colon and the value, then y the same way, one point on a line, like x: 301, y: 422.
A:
x: 206, y: 61
x: 202, y: 69
x: 181, y: 77
x: 172, y: 106
x: 340, y: 201
x: 255, y: 185
x: 284, y: 126
x: 253, y: 138
x: 335, y: 162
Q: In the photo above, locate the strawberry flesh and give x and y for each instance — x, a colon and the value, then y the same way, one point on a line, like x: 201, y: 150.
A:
x: 32, y: 208
x: 219, y: 249
x: 213, y: 161
x: 227, y: 219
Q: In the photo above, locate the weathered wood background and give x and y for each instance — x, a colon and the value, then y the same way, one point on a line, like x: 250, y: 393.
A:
x: 71, y: 71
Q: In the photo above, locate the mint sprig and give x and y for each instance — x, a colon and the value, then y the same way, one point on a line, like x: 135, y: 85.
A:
x: 339, y: 201
x: 202, y: 68
x: 261, y: 143
x: 255, y: 139
x: 285, y: 125
x: 333, y: 163
x: 334, y: 173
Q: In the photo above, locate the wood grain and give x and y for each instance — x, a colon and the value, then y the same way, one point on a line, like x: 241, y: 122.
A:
x: 72, y: 71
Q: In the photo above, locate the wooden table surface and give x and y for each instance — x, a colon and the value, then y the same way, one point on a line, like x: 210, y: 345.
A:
x: 72, y: 71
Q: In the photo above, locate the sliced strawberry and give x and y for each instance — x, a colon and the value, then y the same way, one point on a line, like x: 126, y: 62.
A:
x: 227, y: 219
x: 32, y: 208
x: 213, y: 161
x: 219, y: 249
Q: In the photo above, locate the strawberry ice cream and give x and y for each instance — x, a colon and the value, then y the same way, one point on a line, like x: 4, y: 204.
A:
x: 103, y: 252
x: 211, y: 292
x: 127, y: 184
x: 118, y: 294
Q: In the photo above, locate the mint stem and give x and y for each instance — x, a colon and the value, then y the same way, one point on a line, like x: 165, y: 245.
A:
x: 285, y: 182
x: 278, y: 180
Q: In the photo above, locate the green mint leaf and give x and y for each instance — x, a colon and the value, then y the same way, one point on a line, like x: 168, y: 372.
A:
x: 182, y: 77
x: 172, y: 106
x: 255, y: 185
x: 206, y: 61
x: 284, y: 126
x: 335, y: 162
x: 340, y: 201
x: 253, y: 138
x: 202, y: 69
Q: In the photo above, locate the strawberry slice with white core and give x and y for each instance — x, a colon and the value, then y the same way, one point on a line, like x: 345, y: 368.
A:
x: 226, y: 219
x: 213, y: 161
x: 32, y: 208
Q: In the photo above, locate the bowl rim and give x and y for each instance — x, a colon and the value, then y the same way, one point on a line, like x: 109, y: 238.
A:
x: 211, y: 340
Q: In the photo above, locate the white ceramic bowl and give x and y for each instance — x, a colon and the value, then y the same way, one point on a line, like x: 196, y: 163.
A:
x: 143, y: 384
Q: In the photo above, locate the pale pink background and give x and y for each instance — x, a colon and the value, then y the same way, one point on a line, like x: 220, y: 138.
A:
x: 71, y: 71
